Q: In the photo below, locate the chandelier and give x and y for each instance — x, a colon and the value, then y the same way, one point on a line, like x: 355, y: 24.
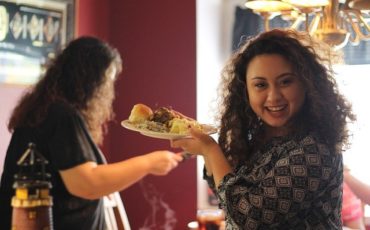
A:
x: 335, y: 22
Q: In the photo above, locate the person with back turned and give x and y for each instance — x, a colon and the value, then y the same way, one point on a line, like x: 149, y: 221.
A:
x: 65, y: 115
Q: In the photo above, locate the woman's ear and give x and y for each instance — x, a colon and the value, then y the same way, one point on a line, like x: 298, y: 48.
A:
x: 111, y: 71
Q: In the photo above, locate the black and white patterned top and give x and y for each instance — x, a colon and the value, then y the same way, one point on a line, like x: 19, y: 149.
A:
x: 294, y: 183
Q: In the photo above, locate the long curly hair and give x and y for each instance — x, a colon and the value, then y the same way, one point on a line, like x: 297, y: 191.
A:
x: 325, y: 111
x: 76, y: 76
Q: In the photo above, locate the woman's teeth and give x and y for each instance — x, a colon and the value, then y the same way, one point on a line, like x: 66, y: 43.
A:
x: 275, y: 108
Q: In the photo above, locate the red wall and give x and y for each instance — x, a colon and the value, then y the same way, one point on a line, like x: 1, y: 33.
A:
x: 93, y: 18
x: 157, y: 42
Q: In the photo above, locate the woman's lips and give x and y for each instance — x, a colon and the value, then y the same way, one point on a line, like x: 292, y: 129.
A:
x: 276, y: 108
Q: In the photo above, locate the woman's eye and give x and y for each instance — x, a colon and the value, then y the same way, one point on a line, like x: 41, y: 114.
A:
x: 286, y: 81
x: 260, y: 85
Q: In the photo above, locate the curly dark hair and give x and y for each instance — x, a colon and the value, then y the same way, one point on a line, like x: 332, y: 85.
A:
x: 325, y: 111
x: 76, y: 76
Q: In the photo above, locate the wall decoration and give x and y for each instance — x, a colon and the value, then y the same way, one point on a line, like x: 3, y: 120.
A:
x: 31, y: 32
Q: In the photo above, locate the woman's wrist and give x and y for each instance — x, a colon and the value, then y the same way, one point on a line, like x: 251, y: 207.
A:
x: 211, y: 149
x: 145, y: 162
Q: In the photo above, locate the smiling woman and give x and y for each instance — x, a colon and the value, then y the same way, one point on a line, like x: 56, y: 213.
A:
x: 275, y: 94
x: 278, y: 159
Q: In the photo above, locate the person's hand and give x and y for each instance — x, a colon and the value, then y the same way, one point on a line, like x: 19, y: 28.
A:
x: 162, y: 162
x: 199, y: 144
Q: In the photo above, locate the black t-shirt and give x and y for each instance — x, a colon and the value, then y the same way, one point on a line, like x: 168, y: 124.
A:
x: 63, y: 139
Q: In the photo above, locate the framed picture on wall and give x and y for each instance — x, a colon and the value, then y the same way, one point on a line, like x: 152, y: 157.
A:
x: 31, y: 32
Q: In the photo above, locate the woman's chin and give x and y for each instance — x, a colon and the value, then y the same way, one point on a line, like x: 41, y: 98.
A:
x: 277, y: 128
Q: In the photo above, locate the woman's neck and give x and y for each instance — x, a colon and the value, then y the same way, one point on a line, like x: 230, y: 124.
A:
x: 271, y: 132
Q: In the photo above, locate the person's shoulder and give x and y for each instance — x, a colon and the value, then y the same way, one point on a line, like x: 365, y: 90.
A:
x: 312, y: 142
x: 308, y: 139
x: 62, y: 109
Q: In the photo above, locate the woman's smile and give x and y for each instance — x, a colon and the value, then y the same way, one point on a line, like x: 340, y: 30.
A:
x: 276, y: 108
x: 275, y: 93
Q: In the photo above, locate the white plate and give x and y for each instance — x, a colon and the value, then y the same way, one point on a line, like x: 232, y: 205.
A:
x: 168, y: 136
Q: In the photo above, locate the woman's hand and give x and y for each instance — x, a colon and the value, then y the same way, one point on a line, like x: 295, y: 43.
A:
x: 92, y: 181
x: 162, y: 162
x: 200, y: 143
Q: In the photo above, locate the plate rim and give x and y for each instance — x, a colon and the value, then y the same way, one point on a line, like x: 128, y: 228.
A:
x: 168, y: 136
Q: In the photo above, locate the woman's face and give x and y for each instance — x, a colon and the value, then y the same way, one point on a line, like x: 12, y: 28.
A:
x: 275, y: 93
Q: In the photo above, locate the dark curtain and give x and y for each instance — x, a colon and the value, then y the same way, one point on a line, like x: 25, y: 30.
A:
x: 248, y: 24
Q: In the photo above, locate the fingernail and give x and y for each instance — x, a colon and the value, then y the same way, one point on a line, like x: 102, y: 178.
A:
x: 186, y: 156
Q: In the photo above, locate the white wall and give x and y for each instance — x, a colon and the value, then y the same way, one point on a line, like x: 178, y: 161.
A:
x: 215, y: 20
x: 353, y: 82
x: 9, y: 96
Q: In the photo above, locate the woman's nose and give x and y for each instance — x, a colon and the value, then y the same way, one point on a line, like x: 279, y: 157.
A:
x: 274, y: 94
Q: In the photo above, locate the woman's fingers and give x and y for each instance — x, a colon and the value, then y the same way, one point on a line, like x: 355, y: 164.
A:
x: 186, y: 155
x: 196, y: 144
x: 179, y: 143
x: 196, y: 133
x: 178, y: 157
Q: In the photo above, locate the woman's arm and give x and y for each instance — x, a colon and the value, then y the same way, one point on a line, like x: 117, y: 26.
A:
x: 359, y: 188
x: 92, y: 181
x: 218, y: 164
x: 357, y: 224
x: 202, y: 144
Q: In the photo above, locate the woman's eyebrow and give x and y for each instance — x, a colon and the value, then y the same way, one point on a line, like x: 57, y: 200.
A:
x: 279, y: 76
x: 258, y: 78
x: 286, y: 74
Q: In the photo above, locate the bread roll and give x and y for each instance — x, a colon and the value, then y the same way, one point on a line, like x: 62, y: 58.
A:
x: 140, y: 113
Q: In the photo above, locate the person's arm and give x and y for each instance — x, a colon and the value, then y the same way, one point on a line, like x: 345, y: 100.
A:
x: 92, y: 181
x: 357, y: 224
x: 246, y: 196
x: 217, y: 163
x: 202, y: 144
x: 359, y: 188
x: 352, y: 209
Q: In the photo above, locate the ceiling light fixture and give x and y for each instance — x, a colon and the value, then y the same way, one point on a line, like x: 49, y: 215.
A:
x: 334, y: 22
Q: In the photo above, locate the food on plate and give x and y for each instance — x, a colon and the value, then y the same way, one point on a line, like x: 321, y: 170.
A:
x: 163, y: 115
x: 182, y: 125
x: 140, y: 113
x: 164, y: 119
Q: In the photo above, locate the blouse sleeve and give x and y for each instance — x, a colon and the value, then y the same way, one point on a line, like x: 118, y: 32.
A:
x: 210, y: 180
x: 282, y: 185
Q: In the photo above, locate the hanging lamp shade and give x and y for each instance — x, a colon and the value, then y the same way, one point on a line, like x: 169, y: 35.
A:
x: 329, y: 20
x: 308, y: 3
x: 268, y: 5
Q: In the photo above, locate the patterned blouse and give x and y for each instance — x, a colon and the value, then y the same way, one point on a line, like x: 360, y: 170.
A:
x: 295, y: 183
